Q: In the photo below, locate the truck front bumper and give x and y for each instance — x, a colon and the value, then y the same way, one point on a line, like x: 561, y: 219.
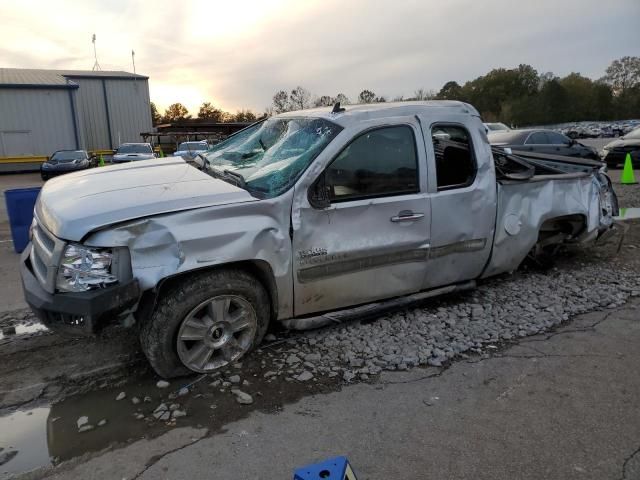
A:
x: 80, y: 313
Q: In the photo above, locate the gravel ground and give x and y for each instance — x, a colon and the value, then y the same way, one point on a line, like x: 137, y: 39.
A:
x: 499, y: 311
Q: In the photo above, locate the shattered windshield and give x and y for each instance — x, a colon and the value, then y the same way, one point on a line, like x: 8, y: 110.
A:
x: 270, y: 156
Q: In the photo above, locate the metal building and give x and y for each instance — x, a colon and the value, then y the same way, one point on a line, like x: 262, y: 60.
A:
x: 46, y: 110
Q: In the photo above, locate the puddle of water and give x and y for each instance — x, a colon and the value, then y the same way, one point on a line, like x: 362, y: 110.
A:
x: 26, y: 433
x: 25, y: 329
x: 628, y: 213
x: 48, y: 435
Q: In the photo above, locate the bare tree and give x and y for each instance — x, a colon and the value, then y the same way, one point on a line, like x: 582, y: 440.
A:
x: 281, y: 102
x: 343, y: 99
x: 324, y: 101
x: 623, y: 74
x: 299, y: 98
x: 366, y: 96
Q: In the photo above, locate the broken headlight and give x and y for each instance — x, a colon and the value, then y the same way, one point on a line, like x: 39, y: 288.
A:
x: 83, y: 268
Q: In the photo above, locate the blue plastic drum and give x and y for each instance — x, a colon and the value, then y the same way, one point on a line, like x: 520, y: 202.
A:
x: 20, y: 203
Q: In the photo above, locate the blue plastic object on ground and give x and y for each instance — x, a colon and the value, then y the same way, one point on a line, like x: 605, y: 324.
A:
x: 20, y: 203
x: 337, y: 468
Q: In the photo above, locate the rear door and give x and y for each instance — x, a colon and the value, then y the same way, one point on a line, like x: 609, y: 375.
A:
x: 463, y: 199
x: 372, y: 241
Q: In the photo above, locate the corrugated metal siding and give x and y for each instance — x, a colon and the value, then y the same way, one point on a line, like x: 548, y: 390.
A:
x: 93, y: 114
x: 128, y: 106
x: 129, y: 109
x: 45, y: 114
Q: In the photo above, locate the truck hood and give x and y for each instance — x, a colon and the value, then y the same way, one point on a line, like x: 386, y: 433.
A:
x: 75, y: 204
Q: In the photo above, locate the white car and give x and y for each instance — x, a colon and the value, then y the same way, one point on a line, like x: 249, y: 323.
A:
x: 131, y: 152
x: 189, y: 150
x: 496, y: 127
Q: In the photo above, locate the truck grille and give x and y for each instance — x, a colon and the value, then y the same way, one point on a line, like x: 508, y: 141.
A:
x: 45, y: 255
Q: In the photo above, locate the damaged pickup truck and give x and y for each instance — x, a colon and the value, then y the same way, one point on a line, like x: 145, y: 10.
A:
x: 306, y: 218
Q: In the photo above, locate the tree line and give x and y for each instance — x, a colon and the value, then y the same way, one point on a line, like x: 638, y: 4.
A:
x: 207, y: 111
x: 519, y: 96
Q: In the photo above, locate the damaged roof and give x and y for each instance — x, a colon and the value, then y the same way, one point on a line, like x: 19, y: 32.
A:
x: 385, y: 109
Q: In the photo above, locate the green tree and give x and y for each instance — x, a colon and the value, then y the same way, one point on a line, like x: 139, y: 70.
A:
x: 450, y: 91
x: 175, y: 111
x: 243, y: 116
x: 209, y: 112
x: 156, y: 118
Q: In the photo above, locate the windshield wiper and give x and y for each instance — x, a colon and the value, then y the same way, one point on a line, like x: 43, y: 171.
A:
x: 235, y: 178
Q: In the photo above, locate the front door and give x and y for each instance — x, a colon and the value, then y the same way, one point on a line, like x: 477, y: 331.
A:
x: 372, y: 241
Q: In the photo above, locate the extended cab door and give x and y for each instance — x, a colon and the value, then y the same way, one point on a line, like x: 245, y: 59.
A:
x: 368, y: 239
x: 463, y: 199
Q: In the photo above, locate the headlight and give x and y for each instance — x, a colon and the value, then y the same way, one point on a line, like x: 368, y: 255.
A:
x: 83, y: 268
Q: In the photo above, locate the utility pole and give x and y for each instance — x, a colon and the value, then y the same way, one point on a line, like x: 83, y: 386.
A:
x: 96, y: 65
x: 133, y: 60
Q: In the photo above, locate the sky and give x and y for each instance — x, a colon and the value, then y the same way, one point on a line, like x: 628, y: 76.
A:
x: 238, y: 53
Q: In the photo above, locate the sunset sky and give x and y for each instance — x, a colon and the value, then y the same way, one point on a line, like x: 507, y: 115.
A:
x: 236, y: 54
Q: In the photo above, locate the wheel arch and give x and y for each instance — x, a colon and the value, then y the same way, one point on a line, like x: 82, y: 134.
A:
x: 259, y: 269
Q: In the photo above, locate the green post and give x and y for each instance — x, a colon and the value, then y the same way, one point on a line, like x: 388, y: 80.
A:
x: 101, y: 163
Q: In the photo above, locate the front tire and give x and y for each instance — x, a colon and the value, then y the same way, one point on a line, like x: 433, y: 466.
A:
x: 205, y: 322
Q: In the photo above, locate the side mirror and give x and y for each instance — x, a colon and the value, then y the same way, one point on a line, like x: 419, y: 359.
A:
x: 318, y: 194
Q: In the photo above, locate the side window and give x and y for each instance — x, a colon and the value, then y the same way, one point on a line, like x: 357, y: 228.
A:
x: 380, y: 162
x: 537, y: 138
x: 557, y: 138
x: 455, y: 161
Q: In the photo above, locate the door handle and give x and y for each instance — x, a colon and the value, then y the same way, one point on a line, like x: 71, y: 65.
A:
x: 406, y: 216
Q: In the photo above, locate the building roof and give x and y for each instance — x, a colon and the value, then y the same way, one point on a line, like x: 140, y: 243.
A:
x: 39, y: 78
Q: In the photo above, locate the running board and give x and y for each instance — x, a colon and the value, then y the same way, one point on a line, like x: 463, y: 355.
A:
x: 371, y: 309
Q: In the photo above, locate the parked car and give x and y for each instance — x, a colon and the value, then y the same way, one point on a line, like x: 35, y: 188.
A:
x: 65, y: 161
x: 189, y: 150
x: 496, y: 127
x: 542, y: 141
x: 615, y: 153
x: 295, y: 216
x: 132, y: 152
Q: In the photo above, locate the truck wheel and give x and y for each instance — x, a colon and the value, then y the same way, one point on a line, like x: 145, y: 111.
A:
x: 205, y: 322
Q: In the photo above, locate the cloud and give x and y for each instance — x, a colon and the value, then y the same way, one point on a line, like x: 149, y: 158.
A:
x: 237, y: 54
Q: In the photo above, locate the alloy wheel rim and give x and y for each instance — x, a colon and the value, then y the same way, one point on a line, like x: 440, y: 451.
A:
x: 216, y: 332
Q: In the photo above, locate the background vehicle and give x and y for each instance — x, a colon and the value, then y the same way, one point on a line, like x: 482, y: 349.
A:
x: 542, y: 141
x: 615, y: 153
x: 131, y: 152
x: 65, y: 161
x: 496, y: 127
x: 295, y: 216
x: 189, y: 150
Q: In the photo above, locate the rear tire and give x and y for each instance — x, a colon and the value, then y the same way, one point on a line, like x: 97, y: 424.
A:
x: 204, y: 322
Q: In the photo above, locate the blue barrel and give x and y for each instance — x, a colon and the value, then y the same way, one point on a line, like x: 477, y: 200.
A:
x: 20, y: 203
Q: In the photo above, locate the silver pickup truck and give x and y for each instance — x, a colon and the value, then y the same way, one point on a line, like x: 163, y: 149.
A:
x: 306, y: 218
